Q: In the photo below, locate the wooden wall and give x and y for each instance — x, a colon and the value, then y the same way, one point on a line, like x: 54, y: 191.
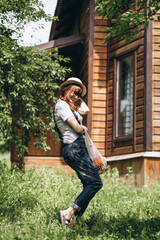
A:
x: 137, y: 166
x: 52, y: 141
x: 156, y: 84
x: 99, y: 90
x: 136, y: 144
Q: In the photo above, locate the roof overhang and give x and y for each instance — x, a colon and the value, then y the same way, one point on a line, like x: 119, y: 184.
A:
x: 68, y: 13
x: 62, y: 42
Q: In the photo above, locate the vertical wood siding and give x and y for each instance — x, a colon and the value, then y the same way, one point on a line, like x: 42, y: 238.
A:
x: 99, y: 91
x: 156, y: 84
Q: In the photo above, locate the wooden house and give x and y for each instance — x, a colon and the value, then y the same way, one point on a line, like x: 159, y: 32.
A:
x: 123, y: 83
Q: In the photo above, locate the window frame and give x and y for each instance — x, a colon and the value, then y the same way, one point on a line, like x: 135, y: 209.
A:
x: 131, y: 137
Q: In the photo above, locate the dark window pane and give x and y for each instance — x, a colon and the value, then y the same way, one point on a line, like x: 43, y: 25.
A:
x: 124, y: 96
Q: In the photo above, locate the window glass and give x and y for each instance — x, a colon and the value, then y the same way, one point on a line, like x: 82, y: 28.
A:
x: 124, y: 96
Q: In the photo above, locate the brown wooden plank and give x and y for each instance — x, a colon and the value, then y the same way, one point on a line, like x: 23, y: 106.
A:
x: 156, y: 123
x: 110, y: 124
x: 140, y: 56
x: 156, y: 130
x: 139, y: 140
x: 156, y: 107
x: 140, y: 79
x: 155, y: 32
x: 156, y: 61
x: 99, y: 118
x: 140, y: 94
x: 139, y: 102
x: 100, y: 70
x: 123, y: 150
x: 139, y: 147
x: 97, y: 131
x: 139, y: 109
x: 100, y: 49
x: 156, y: 69
x: 99, y: 90
x: 99, y: 28
x: 139, y: 124
x: 156, y: 138
x: 140, y: 71
x: 99, y: 83
x: 99, y: 35
x: 102, y: 63
x: 98, y: 56
x: 99, y: 75
x: 100, y: 22
x: 99, y: 111
x: 99, y: 104
x: 157, y: 100
x: 156, y: 115
x: 153, y: 169
x: 140, y: 86
x: 98, y: 42
x: 156, y: 54
x: 156, y: 147
x: 99, y: 124
x: 156, y: 84
x: 139, y: 117
x: 156, y: 47
x: 140, y: 64
x: 100, y: 145
x: 100, y: 138
x: 101, y: 97
x: 156, y: 39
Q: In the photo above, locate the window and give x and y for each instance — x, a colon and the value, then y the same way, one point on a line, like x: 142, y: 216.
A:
x: 124, y: 96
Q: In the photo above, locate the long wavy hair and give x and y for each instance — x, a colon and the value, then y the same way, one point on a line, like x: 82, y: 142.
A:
x: 63, y: 96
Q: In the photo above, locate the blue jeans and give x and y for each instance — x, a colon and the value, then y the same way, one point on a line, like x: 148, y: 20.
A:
x: 76, y: 156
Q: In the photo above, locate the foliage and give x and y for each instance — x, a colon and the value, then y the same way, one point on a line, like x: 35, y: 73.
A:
x: 29, y: 205
x: 28, y: 78
x: 126, y: 16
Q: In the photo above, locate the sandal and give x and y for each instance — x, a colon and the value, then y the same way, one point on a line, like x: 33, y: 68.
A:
x: 64, y: 220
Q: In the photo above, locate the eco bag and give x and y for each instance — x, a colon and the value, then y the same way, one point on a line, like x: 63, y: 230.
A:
x: 98, y: 161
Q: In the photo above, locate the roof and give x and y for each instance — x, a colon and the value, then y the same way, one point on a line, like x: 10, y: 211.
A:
x: 68, y: 13
x: 62, y: 42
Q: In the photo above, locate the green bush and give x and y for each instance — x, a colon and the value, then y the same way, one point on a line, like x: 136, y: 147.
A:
x: 30, y: 201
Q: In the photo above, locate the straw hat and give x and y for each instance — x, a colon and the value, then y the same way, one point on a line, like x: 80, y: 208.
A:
x: 74, y: 81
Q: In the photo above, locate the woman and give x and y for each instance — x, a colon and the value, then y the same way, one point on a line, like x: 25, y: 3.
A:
x: 69, y: 124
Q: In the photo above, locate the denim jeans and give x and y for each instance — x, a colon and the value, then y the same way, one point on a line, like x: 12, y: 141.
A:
x: 76, y: 156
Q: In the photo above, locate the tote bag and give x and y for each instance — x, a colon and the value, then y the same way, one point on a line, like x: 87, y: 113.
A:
x: 98, y: 161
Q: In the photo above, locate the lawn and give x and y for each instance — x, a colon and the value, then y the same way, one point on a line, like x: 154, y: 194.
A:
x: 30, y: 201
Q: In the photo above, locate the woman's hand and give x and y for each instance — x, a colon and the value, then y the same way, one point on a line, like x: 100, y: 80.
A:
x: 85, y: 129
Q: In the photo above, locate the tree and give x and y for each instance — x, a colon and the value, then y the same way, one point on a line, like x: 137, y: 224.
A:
x: 126, y: 16
x: 28, y: 78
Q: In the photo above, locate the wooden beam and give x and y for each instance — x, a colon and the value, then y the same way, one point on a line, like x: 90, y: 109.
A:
x: 90, y: 64
x: 148, y: 89
x: 62, y: 42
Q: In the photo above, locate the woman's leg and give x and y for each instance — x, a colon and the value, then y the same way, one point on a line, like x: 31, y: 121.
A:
x: 77, y: 158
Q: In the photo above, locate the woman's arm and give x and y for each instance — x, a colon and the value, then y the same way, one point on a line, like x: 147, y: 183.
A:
x: 72, y: 121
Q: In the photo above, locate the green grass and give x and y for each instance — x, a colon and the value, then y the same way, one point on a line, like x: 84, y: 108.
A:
x: 29, y: 205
